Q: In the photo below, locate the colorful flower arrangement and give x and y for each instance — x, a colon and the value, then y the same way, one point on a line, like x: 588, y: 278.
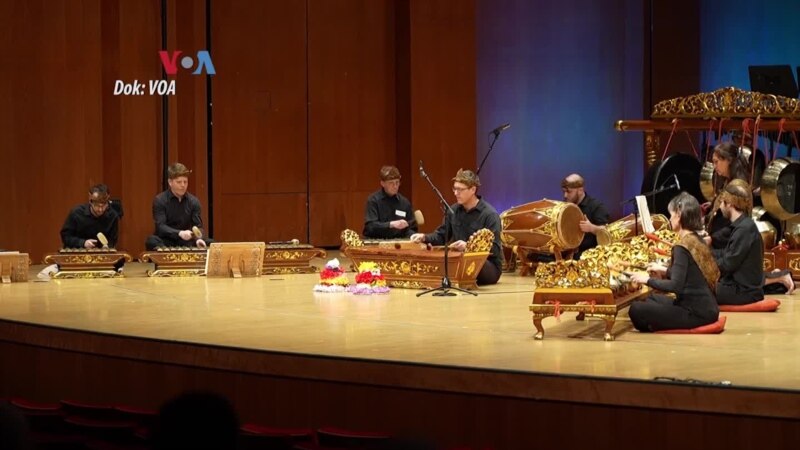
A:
x: 369, y: 280
x: 332, y: 278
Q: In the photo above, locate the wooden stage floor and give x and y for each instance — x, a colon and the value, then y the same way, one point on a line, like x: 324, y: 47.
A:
x: 491, y: 332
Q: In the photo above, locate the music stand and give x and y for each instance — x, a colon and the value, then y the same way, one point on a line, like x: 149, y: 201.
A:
x: 775, y: 80
x: 235, y: 259
x: 444, y: 289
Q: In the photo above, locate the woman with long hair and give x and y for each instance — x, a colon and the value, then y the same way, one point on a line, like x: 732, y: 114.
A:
x: 730, y: 163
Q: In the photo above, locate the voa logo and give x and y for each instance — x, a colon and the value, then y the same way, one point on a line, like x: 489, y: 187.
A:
x: 200, y: 63
x: 170, y: 62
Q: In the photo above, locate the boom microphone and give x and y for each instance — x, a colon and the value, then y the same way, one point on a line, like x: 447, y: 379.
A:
x: 501, y: 128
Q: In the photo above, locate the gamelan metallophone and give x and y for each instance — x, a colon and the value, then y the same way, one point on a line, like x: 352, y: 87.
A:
x: 396, y: 244
x: 176, y: 261
x: 88, y: 262
x: 290, y: 258
x: 597, y: 302
x: 421, y: 268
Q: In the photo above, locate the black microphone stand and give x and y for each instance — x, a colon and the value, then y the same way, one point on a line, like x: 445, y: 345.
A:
x: 496, y: 135
x: 446, y: 287
x: 632, y: 200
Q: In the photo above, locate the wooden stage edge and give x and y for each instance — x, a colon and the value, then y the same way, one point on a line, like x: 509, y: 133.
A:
x: 18, y: 338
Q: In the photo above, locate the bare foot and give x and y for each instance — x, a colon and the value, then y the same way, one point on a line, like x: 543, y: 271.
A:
x: 788, y: 282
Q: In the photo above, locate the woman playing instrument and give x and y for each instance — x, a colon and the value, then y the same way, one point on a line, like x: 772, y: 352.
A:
x: 692, y: 277
x: 730, y: 163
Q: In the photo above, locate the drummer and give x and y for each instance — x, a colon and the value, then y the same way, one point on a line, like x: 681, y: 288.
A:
x: 388, y: 214
x: 471, y: 213
x: 594, y: 212
x: 87, y: 220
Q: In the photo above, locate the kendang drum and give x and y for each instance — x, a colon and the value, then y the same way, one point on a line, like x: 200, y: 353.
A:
x: 544, y: 226
x: 623, y: 230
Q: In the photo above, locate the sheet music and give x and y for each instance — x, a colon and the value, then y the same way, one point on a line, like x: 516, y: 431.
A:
x: 644, y: 214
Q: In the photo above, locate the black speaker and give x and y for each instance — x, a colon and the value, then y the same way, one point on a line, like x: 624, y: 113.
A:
x: 775, y: 80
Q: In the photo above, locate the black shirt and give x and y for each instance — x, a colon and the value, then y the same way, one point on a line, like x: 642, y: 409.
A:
x: 741, y: 261
x: 173, y: 215
x: 382, y: 209
x: 82, y: 225
x: 464, y: 223
x: 686, y: 281
x: 597, y: 213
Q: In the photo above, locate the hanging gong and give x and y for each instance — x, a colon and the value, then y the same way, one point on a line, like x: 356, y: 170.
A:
x: 685, y: 167
x: 779, y: 188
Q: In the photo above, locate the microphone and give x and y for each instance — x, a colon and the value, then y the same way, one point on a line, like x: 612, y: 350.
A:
x: 291, y: 242
x: 677, y: 182
x: 500, y: 129
x: 422, y: 170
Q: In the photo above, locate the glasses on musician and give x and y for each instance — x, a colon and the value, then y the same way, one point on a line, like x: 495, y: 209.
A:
x: 458, y: 190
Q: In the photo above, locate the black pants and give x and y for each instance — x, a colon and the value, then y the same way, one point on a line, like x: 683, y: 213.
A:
x: 775, y: 288
x: 732, y: 294
x: 153, y: 242
x: 659, y: 312
x: 489, y: 274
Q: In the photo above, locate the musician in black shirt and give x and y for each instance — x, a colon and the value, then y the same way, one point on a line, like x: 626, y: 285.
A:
x: 176, y: 213
x: 85, y: 221
x: 388, y: 214
x: 471, y: 213
x: 594, y: 212
x: 740, y: 261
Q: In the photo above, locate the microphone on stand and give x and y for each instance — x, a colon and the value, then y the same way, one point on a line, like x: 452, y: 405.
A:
x: 677, y: 181
x: 501, y: 128
x: 422, y: 170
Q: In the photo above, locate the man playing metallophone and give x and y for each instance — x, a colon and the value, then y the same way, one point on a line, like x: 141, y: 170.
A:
x: 471, y: 213
x: 86, y: 221
x: 176, y: 214
x: 388, y: 214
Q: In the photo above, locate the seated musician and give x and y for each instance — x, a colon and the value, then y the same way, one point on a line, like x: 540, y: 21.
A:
x: 85, y: 221
x: 388, y: 213
x: 176, y: 213
x: 471, y: 213
x: 741, y: 261
x: 594, y: 212
x: 729, y: 164
x: 692, y: 277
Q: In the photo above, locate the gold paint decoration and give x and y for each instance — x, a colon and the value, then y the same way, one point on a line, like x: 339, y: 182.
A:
x: 728, y: 102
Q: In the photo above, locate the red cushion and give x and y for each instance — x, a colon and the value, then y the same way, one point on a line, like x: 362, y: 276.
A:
x: 766, y: 305
x: 712, y: 328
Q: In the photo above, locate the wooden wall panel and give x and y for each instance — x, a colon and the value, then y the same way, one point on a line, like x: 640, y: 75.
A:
x: 263, y: 217
x: 351, y: 85
x: 140, y: 130
x: 259, y: 115
x: 64, y: 129
x: 443, y: 99
x: 187, y: 109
